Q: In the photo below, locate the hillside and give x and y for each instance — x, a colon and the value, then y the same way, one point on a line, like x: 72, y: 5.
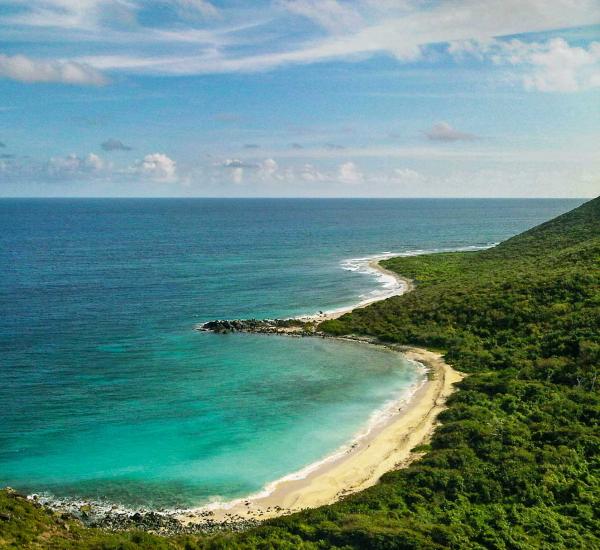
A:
x: 534, y: 296
x: 516, y: 461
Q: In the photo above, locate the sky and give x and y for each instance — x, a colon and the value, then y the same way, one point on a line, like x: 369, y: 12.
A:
x: 300, y: 98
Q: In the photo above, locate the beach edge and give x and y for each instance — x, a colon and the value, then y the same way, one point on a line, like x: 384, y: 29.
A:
x: 389, y: 447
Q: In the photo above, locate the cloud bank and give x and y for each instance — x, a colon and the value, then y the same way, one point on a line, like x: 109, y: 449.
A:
x: 551, y: 66
x: 264, y: 38
x: 25, y: 69
x: 157, y: 167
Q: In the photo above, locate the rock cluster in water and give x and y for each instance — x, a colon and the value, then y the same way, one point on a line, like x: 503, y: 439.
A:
x: 262, y: 326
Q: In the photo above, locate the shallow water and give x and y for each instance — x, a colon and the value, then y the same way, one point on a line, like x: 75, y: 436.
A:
x: 109, y: 393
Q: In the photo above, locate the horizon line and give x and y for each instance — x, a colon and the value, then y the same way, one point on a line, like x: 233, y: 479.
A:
x: 441, y: 197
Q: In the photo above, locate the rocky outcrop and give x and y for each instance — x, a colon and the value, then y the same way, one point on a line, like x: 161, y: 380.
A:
x: 64, y: 512
x: 167, y: 524
x: 262, y: 326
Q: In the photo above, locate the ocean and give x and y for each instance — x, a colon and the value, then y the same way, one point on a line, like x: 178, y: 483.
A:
x: 109, y: 394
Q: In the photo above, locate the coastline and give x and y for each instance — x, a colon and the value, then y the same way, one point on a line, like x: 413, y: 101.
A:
x: 403, y: 286
x: 385, y: 444
x: 386, y: 447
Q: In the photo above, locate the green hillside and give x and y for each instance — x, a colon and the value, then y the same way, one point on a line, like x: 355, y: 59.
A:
x: 516, y: 461
x: 534, y: 296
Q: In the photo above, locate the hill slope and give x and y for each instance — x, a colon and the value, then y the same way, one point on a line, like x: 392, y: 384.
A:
x: 516, y: 461
x: 533, y: 296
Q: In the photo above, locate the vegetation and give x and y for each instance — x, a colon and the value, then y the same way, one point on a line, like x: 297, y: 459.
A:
x: 516, y: 461
x: 23, y: 525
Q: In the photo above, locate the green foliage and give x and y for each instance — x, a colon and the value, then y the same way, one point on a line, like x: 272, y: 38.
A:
x: 23, y: 525
x: 516, y: 461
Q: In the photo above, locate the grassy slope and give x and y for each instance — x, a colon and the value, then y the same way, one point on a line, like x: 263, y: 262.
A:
x: 516, y: 461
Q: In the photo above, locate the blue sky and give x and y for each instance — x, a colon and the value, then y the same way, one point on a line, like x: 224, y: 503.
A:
x: 404, y: 98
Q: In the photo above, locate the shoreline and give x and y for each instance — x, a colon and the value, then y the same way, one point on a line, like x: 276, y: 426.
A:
x: 388, y: 447
x: 404, y: 285
x: 384, y: 448
x: 384, y: 444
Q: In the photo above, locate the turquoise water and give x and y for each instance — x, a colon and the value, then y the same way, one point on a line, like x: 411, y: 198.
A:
x: 107, y: 391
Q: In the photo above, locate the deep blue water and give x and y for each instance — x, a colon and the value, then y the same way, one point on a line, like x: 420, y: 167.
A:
x: 108, y: 392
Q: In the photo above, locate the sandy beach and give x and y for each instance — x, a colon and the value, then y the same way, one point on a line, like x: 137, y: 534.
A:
x: 387, y: 447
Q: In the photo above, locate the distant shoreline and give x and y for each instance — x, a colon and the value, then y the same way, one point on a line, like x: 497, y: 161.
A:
x: 386, y: 447
x: 405, y: 285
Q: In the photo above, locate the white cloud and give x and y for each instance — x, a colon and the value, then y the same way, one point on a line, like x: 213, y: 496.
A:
x: 237, y: 163
x: 203, y: 7
x: 71, y: 167
x: 353, y: 31
x: 269, y: 168
x: 552, y: 66
x: 75, y: 166
x: 298, y: 178
x: 157, y: 166
x: 348, y: 172
x: 562, y: 68
x: 442, y: 131
x: 329, y: 14
x: 309, y: 173
x: 407, y: 175
x: 401, y: 33
x: 25, y: 69
x: 237, y: 175
x: 399, y: 180
x: 65, y: 14
x: 266, y: 170
x: 91, y: 15
x: 93, y: 162
x: 236, y: 168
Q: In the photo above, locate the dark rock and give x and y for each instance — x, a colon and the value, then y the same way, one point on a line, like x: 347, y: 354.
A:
x: 264, y: 326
